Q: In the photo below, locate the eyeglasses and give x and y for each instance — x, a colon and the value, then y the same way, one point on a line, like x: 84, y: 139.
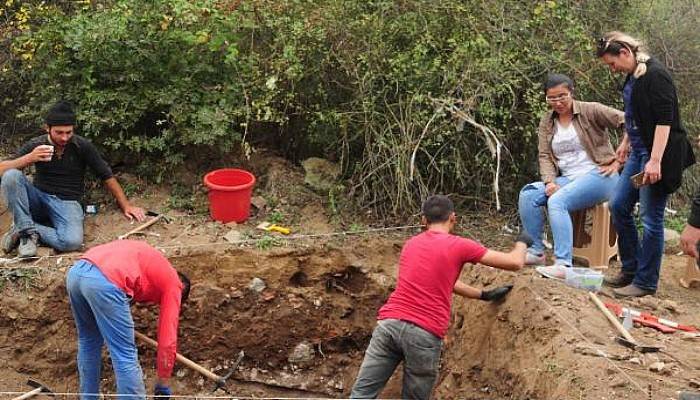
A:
x: 557, y: 99
x: 603, y: 45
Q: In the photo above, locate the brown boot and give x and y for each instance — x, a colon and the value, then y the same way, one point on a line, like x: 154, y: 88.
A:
x: 619, y: 280
x: 632, y: 291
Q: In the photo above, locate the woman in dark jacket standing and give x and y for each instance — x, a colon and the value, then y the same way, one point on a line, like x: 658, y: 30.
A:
x: 655, y: 146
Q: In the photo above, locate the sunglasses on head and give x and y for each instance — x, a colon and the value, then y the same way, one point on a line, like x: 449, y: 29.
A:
x: 603, y: 44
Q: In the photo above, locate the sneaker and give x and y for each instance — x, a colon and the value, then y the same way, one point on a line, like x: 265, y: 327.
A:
x: 553, y: 271
x: 619, y: 280
x: 689, y: 396
x: 534, y: 259
x: 632, y: 291
x: 10, y: 240
x: 27, y: 245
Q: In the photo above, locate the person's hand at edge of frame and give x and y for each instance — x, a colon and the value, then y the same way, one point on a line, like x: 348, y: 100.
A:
x: 690, y: 237
x: 610, y: 169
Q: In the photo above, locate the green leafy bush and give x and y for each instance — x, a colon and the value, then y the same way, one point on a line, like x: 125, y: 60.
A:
x: 409, y: 96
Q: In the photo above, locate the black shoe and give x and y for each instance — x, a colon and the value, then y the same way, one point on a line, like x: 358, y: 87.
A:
x: 619, y: 280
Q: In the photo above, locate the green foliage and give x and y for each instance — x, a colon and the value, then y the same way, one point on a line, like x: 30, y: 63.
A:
x: 267, y: 242
x: 676, y: 222
x: 21, y: 277
x: 188, y: 198
x: 275, y: 217
x: 374, y: 84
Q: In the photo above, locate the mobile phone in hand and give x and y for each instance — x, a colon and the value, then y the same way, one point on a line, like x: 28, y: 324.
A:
x: 638, y: 180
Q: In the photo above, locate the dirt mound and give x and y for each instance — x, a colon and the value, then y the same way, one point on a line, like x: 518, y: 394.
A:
x: 36, y: 327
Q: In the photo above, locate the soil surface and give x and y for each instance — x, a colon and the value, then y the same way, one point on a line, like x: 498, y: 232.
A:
x: 303, y: 331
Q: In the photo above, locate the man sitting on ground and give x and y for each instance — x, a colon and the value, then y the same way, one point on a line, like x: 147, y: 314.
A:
x: 101, y: 285
x: 414, y: 320
x: 49, y: 209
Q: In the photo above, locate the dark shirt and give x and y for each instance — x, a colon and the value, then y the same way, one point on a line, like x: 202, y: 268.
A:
x: 654, y: 102
x: 694, y: 218
x: 65, y: 176
x: 630, y: 125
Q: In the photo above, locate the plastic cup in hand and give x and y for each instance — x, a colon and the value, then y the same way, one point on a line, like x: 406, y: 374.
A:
x: 47, y: 148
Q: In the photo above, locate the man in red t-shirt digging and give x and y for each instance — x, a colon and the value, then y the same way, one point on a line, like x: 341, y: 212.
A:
x: 101, y: 285
x: 413, y: 322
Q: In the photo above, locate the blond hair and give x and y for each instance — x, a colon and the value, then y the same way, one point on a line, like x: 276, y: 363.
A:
x: 613, y: 42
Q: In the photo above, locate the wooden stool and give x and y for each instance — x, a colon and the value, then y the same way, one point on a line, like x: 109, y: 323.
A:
x: 692, y: 274
x: 600, y: 245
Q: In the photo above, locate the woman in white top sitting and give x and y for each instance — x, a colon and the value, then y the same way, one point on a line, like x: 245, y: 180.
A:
x: 578, y: 169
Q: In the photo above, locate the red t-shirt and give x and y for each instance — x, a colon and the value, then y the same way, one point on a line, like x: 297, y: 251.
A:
x: 429, y: 266
x: 145, y: 275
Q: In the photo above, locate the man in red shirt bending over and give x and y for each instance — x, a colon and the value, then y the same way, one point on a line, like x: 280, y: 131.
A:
x: 101, y: 285
x: 413, y: 322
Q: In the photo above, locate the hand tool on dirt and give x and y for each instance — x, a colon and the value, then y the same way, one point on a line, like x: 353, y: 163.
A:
x: 266, y: 226
x: 613, y: 320
x: 39, y: 388
x: 652, y: 321
x: 156, y: 217
x: 220, y: 381
x: 637, y: 347
x: 627, y: 339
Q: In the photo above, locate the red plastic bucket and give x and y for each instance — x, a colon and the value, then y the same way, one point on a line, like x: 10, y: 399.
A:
x: 229, y: 194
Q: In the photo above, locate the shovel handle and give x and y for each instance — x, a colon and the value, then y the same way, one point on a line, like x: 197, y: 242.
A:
x: 140, y: 227
x: 613, y: 320
x: 183, y: 360
x: 29, y: 394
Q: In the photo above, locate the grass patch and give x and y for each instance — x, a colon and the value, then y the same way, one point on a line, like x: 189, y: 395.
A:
x: 267, y: 242
x: 20, y: 277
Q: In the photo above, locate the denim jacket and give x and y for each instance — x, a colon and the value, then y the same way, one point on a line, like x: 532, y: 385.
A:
x: 592, y: 121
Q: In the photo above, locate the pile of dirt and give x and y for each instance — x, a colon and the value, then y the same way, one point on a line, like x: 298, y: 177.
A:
x: 548, y: 340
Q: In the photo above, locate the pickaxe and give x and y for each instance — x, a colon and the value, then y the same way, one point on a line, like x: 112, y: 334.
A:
x: 220, y: 381
x: 38, y: 388
x: 156, y: 217
x: 626, y: 339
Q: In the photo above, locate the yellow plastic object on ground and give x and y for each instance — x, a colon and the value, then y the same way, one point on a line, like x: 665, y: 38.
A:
x: 274, y: 228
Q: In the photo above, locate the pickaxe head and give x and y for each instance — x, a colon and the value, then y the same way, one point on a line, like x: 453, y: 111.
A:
x: 636, y: 346
x: 44, y: 389
x: 221, y: 383
x: 164, y: 217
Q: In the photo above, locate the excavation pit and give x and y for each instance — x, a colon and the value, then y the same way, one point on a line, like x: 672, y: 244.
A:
x: 304, y: 333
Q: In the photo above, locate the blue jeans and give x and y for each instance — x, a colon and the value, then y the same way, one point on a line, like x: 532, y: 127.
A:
x: 643, y: 260
x: 394, y: 341
x: 578, y: 194
x: 59, y: 223
x: 101, y: 312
